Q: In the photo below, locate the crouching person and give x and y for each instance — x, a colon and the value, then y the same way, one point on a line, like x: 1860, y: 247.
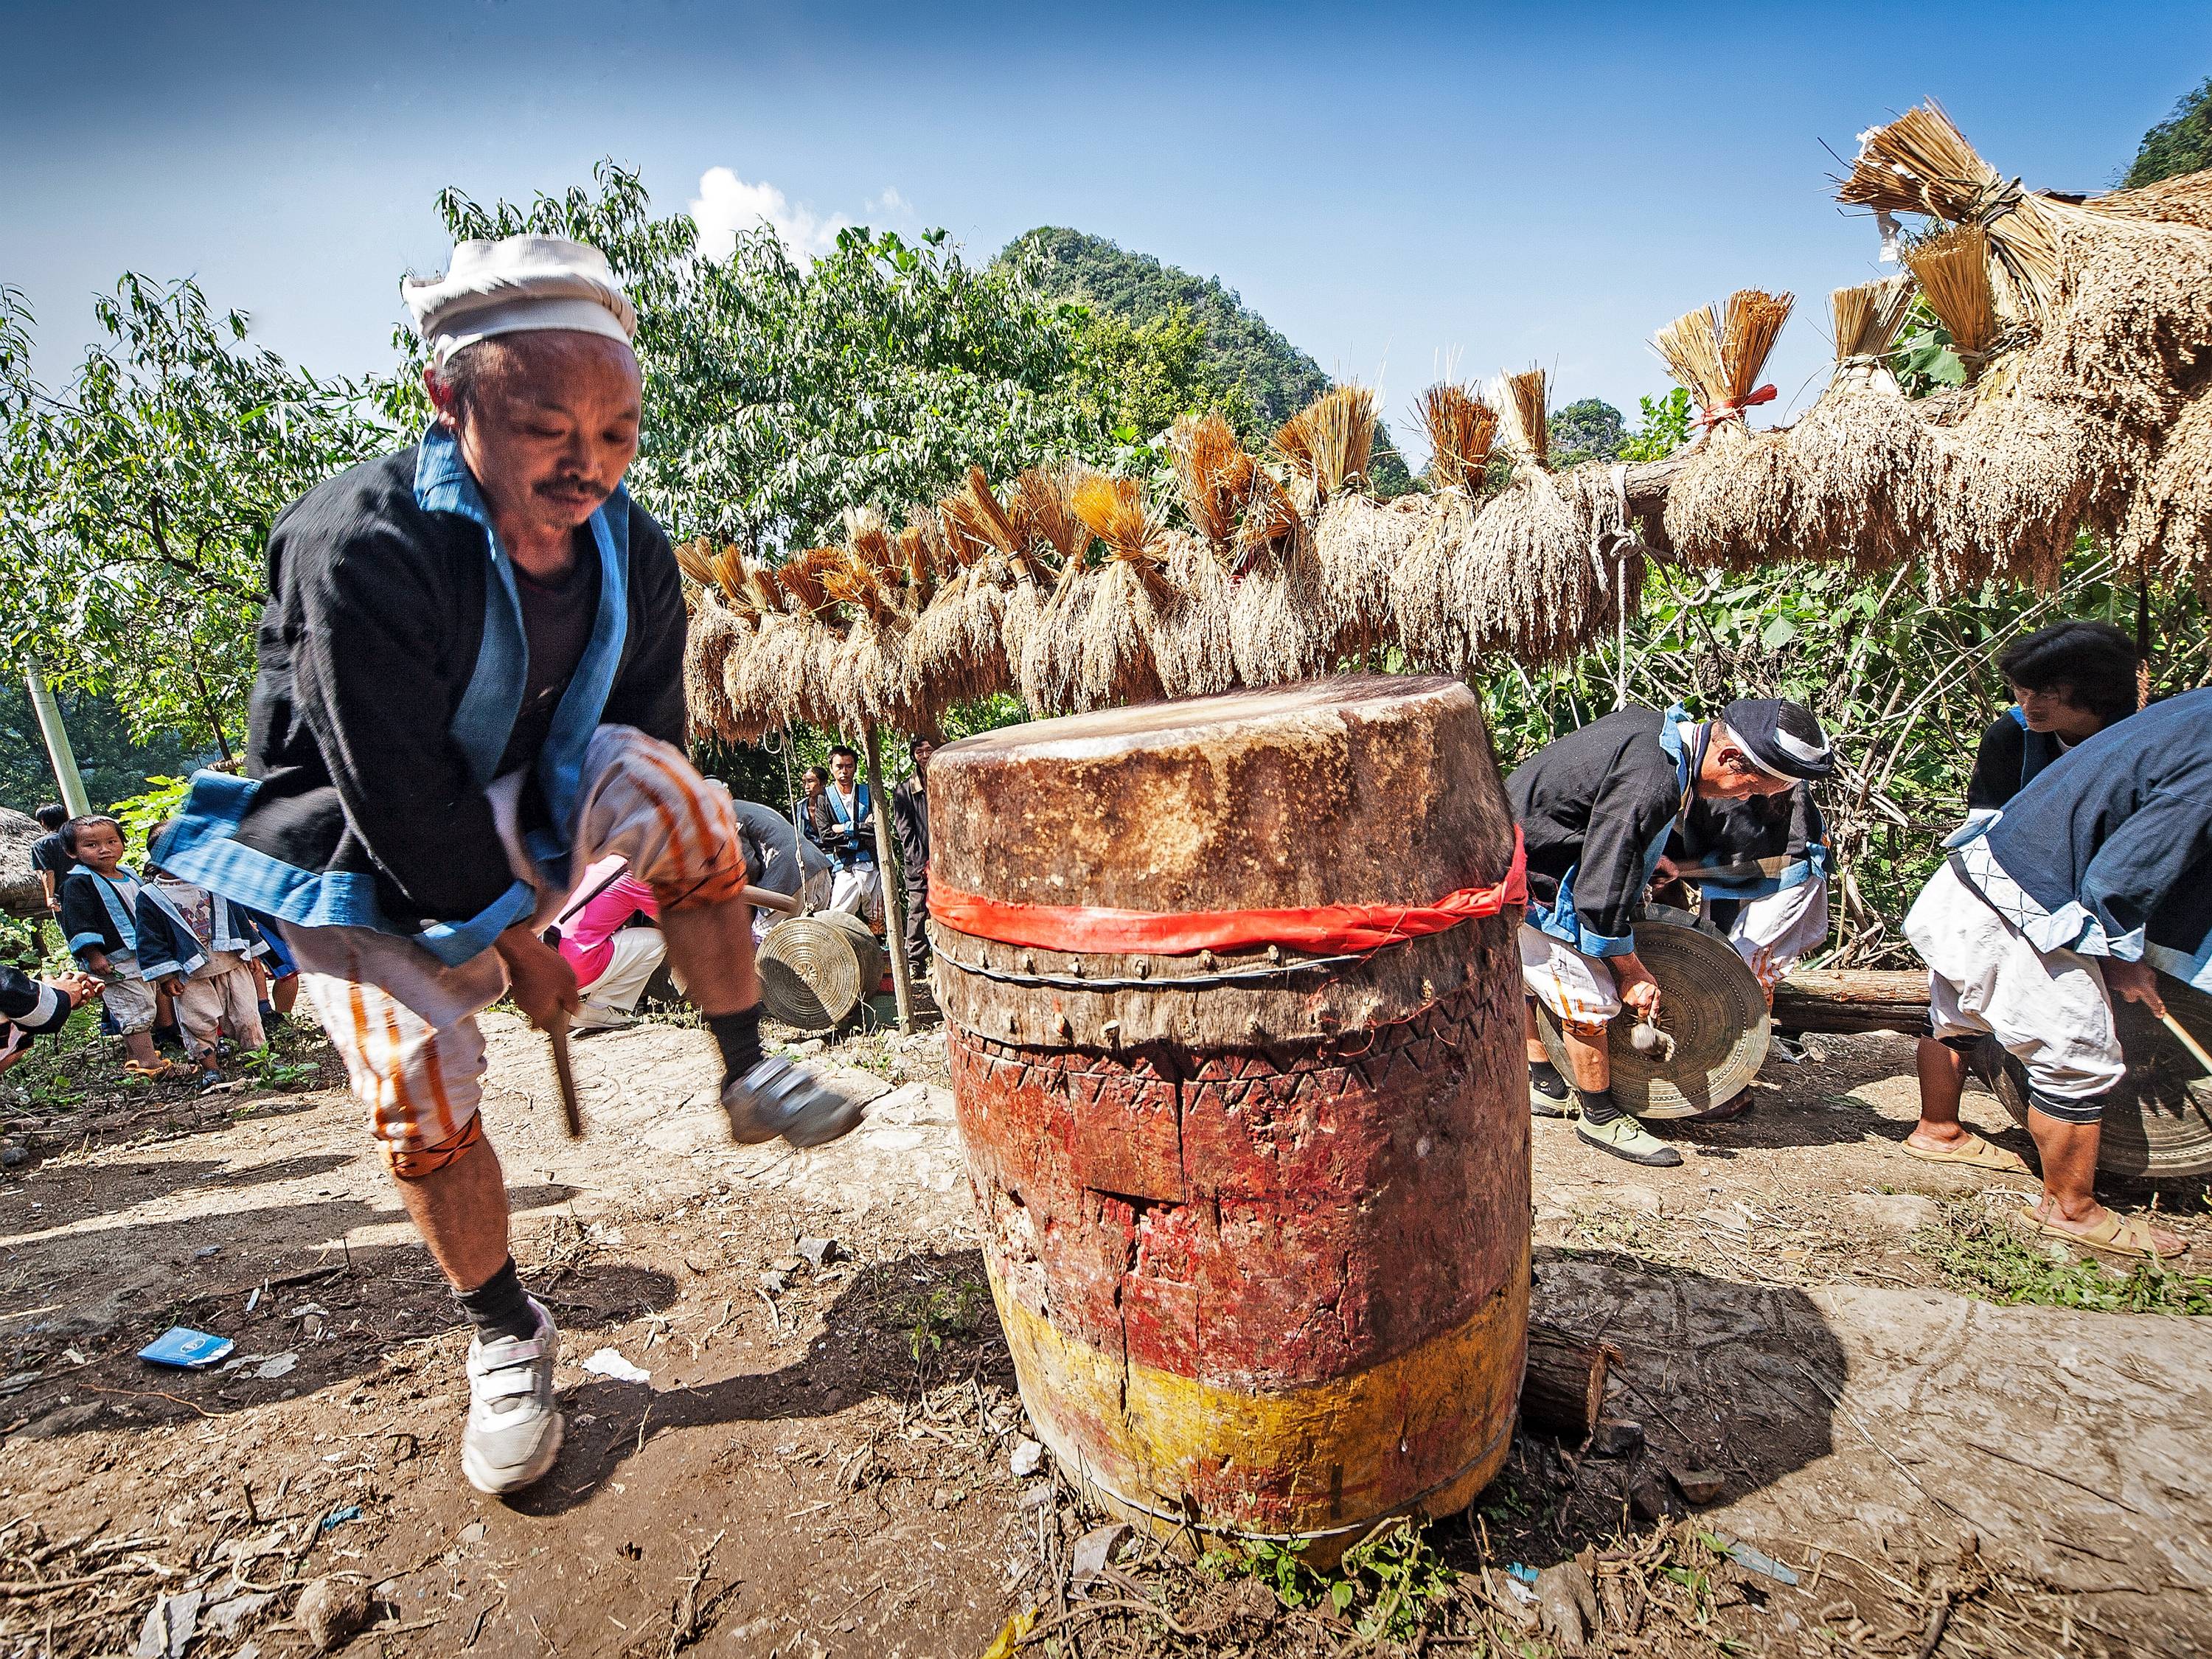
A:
x: 200, y: 948
x: 1762, y: 867
x: 2097, y: 876
x: 1596, y: 810
x: 470, y: 691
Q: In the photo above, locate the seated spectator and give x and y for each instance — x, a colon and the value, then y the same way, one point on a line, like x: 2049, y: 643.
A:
x: 615, y: 954
x: 2070, y: 680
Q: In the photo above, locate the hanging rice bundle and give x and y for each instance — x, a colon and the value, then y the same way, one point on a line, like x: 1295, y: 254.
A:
x: 712, y: 635
x: 1045, y: 519
x: 1051, y: 662
x: 1326, y: 446
x: 1718, y: 354
x: 1461, y: 430
x: 1271, y: 523
x: 862, y: 678
x: 1130, y: 603
x: 959, y: 645
x: 1920, y: 163
x: 1869, y: 319
x: 1191, y: 646
x: 2170, y: 520
x: 1428, y: 611
x: 1214, y: 479
x: 1953, y: 270
x: 1359, y: 544
x: 1525, y: 581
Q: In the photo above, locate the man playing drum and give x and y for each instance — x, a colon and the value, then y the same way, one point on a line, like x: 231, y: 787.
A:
x: 2096, y: 878
x: 1597, y: 809
x: 470, y: 690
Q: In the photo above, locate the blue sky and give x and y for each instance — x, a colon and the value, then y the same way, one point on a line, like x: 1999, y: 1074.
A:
x: 1402, y: 190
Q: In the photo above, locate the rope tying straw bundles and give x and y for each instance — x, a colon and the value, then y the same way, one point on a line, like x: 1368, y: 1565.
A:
x: 1098, y: 931
x: 1732, y: 408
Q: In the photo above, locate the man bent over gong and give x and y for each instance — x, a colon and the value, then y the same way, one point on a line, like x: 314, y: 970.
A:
x: 470, y: 688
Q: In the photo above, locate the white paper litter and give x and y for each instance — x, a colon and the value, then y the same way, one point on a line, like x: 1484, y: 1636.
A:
x: 607, y: 1363
x: 270, y: 1370
x: 1029, y: 1457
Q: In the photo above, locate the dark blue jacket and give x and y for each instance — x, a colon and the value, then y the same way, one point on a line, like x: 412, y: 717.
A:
x: 2111, y: 846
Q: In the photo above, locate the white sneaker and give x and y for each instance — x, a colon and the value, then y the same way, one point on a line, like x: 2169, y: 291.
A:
x: 779, y: 1099
x: 514, y: 1433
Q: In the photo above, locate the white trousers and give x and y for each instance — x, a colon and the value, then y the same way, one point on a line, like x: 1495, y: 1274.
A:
x: 859, y: 892
x: 1579, y: 990
x: 1771, y: 933
x: 2049, y: 1008
x: 405, y: 1024
x: 638, y: 954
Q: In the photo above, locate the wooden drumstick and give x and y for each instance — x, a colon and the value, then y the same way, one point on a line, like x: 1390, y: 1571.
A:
x: 2188, y: 1042
x: 572, y: 1115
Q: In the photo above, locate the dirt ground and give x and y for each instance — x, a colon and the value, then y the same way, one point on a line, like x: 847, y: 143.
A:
x: 822, y: 1459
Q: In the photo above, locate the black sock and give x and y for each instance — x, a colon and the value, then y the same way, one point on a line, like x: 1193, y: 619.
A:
x: 1544, y: 1077
x: 1598, y: 1105
x: 737, y: 1035
x: 498, y: 1308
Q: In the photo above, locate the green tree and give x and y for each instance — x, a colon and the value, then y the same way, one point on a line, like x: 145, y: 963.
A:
x: 137, y: 500
x: 1133, y: 380
x: 115, y: 764
x: 1663, y: 427
x: 1591, y: 431
x: 2180, y: 144
x: 779, y: 394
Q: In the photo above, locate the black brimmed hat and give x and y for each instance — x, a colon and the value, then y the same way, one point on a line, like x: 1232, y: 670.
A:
x: 1784, y: 737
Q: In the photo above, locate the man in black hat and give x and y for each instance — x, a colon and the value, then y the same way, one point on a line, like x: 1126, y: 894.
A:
x: 1597, y: 809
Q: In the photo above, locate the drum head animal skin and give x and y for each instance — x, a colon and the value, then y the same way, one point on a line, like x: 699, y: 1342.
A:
x: 1709, y: 1002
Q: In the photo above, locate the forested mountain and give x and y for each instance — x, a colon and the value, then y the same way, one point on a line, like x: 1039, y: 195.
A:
x: 1276, y: 377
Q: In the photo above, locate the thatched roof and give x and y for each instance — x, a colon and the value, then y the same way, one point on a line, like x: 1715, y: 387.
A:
x: 2087, y: 409
x: 22, y: 894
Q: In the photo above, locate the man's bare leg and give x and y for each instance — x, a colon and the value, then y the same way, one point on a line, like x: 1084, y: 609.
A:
x: 1943, y: 1072
x: 1538, y: 1054
x: 2069, y: 1177
x: 461, y: 1213
x: 711, y: 948
x: 1590, y: 1062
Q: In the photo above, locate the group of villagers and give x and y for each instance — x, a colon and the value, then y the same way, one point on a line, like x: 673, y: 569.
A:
x: 2083, y: 872
x: 469, y: 703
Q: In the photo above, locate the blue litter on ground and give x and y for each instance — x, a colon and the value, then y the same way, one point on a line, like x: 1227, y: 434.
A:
x: 1526, y: 1575
x: 1744, y: 1556
x: 339, y: 1517
x: 187, y: 1348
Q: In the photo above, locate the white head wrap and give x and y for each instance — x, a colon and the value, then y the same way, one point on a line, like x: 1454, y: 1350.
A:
x: 517, y: 282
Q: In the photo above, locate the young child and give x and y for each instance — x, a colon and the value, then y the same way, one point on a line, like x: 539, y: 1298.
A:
x: 99, y: 901
x: 200, y: 948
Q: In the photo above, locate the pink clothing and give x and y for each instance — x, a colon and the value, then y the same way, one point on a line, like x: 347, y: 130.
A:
x: 587, y: 934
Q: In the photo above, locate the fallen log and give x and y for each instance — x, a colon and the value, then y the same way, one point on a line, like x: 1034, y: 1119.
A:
x: 1563, y: 1390
x: 1851, y: 1000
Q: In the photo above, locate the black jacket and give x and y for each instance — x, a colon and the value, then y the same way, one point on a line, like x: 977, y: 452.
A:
x: 367, y: 647
x: 2009, y: 759
x: 1595, y: 809
x: 910, y: 829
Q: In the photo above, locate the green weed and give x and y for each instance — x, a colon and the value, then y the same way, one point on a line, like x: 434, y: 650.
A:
x: 1384, y: 1585
x: 943, y: 1310
x: 1989, y: 1259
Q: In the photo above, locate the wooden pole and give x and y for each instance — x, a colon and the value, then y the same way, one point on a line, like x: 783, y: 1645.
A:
x: 893, y: 889
x: 58, y: 752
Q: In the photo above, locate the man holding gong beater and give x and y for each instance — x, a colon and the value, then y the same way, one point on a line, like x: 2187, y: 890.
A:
x: 471, y: 689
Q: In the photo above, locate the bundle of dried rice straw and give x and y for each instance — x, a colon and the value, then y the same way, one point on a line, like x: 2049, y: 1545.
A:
x: 1953, y: 270
x: 1869, y: 319
x: 1213, y: 479
x: 1461, y: 430
x: 1718, y: 354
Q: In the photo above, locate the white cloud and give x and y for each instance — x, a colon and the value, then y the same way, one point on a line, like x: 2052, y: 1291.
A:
x: 727, y: 204
x: 890, y: 201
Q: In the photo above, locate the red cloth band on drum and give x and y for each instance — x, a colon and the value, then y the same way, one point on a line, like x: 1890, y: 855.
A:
x: 1329, y: 928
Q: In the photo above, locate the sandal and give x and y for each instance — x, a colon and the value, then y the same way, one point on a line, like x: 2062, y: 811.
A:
x: 1974, y: 1152
x: 2132, y: 1235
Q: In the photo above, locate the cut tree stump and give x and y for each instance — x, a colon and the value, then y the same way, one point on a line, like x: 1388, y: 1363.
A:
x: 1563, y: 1390
x: 1852, y: 1000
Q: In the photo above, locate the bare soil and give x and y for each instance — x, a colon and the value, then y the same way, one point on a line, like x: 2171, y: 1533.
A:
x: 822, y: 1459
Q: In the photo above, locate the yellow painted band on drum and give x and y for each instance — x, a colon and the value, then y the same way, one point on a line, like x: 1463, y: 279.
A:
x: 1340, y: 1442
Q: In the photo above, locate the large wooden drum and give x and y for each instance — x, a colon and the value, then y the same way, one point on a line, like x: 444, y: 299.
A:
x: 1235, y: 1016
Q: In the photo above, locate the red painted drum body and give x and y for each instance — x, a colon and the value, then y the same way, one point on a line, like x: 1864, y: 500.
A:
x: 1256, y: 1218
